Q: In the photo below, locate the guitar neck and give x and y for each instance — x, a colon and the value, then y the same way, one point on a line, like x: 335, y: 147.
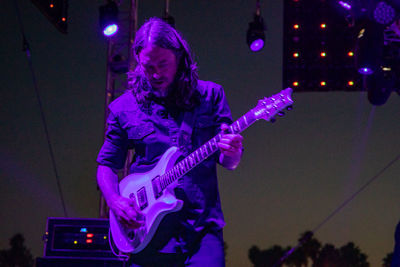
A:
x: 206, y: 150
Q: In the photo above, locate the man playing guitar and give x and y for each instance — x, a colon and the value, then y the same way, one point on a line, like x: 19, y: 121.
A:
x: 150, y: 118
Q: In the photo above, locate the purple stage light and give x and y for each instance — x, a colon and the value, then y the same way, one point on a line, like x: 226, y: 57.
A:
x: 257, y: 45
x: 110, y: 30
x: 345, y: 5
x: 256, y: 34
x: 365, y: 71
x: 384, y: 13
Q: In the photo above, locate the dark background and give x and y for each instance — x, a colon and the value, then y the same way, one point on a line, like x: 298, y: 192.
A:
x: 293, y: 174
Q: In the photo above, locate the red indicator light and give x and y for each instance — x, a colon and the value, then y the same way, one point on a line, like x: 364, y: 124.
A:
x: 89, y: 241
x: 323, y: 25
x: 64, y: 19
x: 323, y: 54
x: 323, y: 83
x: 350, y: 83
x: 296, y: 54
x: 350, y: 54
x: 296, y: 26
x: 295, y: 83
x: 51, y: 5
x: 89, y: 235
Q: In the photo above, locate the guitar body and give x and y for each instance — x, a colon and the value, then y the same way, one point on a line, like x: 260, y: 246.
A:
x: 139, y: 187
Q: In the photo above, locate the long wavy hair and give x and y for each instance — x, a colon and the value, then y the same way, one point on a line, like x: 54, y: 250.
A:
x: 159, y: 33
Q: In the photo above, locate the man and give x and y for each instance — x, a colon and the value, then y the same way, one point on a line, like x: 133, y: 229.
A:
x: 163, y: 89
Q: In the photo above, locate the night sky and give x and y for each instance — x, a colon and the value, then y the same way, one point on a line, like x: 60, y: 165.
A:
x: 294, y: 172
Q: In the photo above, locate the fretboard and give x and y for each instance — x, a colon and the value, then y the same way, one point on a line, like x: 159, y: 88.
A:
x: 205, y: 151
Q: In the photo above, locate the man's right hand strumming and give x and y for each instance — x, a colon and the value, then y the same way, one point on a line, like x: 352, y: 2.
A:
x: 124, y: 209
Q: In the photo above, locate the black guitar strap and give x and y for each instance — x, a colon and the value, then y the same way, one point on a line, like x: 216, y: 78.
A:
x: 185, y: 131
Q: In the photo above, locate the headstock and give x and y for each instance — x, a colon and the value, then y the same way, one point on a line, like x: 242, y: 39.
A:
x: 267, y: 108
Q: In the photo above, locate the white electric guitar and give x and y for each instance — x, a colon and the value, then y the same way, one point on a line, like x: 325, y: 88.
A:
x: 153, y: 191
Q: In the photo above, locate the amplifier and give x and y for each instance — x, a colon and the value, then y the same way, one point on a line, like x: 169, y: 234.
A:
x: 77, y: 237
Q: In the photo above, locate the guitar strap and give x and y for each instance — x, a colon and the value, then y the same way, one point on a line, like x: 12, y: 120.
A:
x: 185, y: 131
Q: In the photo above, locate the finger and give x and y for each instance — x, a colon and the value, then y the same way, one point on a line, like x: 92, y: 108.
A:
x: 235, y: 143
x: 228, y: 150
x: 130, y: 224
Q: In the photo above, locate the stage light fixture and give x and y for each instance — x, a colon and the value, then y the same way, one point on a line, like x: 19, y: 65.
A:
x: 345, y: 4
x: 256, y: 31
x: 109, y: 18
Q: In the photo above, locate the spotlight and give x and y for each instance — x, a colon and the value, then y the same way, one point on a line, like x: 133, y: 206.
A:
x: 109, y: 18
x: 345, y: 4
x: 256, y: 31
x: 369, y: 47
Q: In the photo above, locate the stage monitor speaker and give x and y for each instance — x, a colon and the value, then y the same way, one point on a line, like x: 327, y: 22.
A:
x: 77, y: 238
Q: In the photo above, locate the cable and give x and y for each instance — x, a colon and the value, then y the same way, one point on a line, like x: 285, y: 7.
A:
x: 28, y: 55
x: 337, y: 210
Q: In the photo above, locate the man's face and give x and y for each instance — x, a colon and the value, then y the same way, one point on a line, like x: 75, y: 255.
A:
x: 160, y: 66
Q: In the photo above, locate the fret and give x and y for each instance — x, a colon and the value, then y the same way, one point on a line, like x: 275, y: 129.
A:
x: 245, y: 120
x: 162, y: 181
x: 186, y: 164
x: 176, y: 171
x: 231, y: 128
x: 168, y: 178
x: 205, y: 149
x: 197, y: 155
x: 182, y: 166
x: 192, y: 160
x: 238, y: 126
x: 202, y: 152
x: 213, y: 144
x: 210, y: 144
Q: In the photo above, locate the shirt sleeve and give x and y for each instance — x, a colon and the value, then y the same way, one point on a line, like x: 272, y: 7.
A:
x: 222, y: 112
x: 114, y: 150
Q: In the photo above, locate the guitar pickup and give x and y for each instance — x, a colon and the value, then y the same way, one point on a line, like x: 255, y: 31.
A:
x: 142, y: 198
x: 156, y: 187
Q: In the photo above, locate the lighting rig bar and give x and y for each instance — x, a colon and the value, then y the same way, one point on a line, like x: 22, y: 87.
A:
x: 319, y: 48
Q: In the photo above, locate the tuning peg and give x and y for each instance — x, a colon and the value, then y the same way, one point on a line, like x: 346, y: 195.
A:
x: 272, y: 120
x: 289, y: 107
x: 281, y: 113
